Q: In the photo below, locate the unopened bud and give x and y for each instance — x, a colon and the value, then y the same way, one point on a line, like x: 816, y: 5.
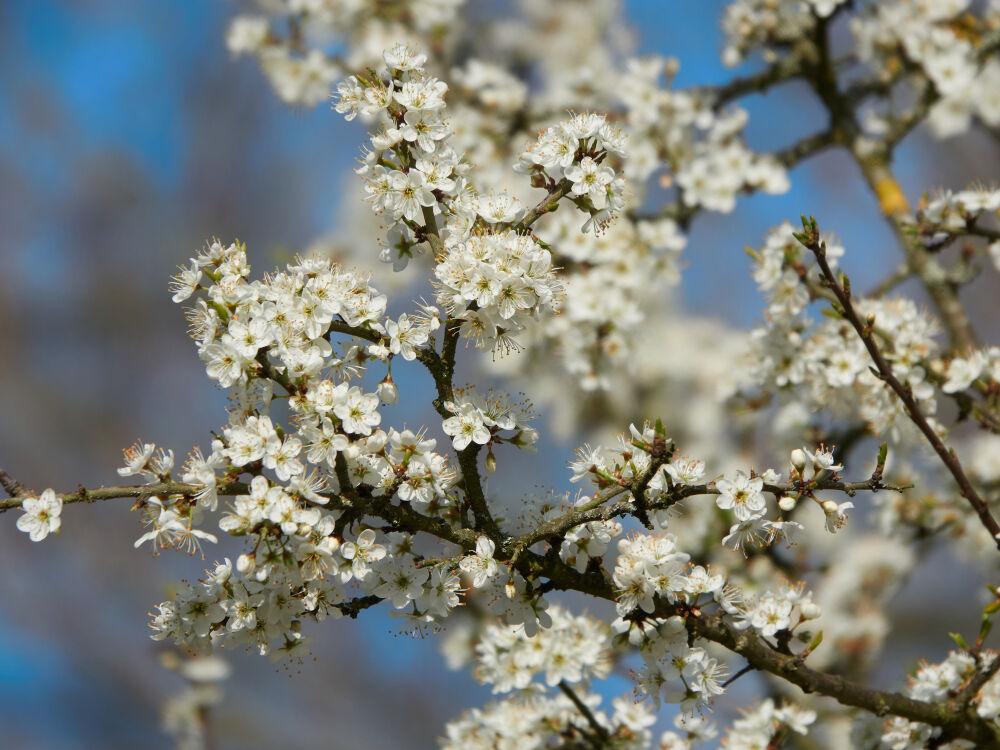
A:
x: 810, y: 610
x: 245, y: 564
x: 787, y: 503
x: 388, y: 393
x: 491, y: 463
x: 510, y: 589
x: 799, y: 459
x: 830, y: 506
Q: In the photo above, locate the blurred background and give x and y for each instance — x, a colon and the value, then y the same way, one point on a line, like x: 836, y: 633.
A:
x: 128, y: 136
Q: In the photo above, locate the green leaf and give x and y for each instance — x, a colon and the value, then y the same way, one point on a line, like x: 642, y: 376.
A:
x: 984, y: 629
x: 814, y: 643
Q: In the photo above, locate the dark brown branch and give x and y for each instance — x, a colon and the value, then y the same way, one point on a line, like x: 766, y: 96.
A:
x: 355, y: 606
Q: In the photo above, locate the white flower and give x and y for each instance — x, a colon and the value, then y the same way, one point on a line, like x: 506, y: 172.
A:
x: 502, y: 208
x: 467, y: 426
x: 404, y: 337
x: 481, y: 566
x: 591, y: 179
x: 41, y: 516
x: 743, y: 495
x: 963, y: 370
x: 403, y: 57
x: 136, y: 458
x: 836, y: 514
x: 362, y: 554
x: 410, y: 194
x: 685, y: 470
x: 169, y: 530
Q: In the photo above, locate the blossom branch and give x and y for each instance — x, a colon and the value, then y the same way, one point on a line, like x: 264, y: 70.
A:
x: 140, y: 492
x: 596, y: 510
x: 954, y: 719
x: 810, y: 238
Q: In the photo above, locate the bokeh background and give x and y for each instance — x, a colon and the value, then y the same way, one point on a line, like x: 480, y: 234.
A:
x: 127, y: 137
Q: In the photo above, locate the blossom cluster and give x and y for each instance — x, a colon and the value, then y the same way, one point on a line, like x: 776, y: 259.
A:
x: 577, y: 150
x: 355, y: 34
x: 571, y: 649
x: 753, y: 24
x: 534, y: 722
x: 826, y: 365
x: 495, y: 283
x: 411, y: 172
x: 479, y: 418
x: 924, y: 36
x: 937, y: 683
x: 676, y: 671
x: 954, y: 211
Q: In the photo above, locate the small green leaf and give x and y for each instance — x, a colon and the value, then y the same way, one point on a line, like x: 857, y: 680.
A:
x: 814, y: 643
x: 984, y: 629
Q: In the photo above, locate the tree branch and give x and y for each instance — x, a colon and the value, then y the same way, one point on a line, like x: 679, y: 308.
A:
x: 142, y: 492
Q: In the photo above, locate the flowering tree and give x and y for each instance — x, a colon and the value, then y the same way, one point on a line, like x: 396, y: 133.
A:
x: 711, y: 533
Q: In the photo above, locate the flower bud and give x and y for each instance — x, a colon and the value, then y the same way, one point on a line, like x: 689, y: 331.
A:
x: 510, y: 589
x: 799, y: 459
x: 787, y: 503
x: 830, y: 506
x: 387, y: 391
x: 245, y: 564
x: 810, y: 610
x: 491, y: 463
